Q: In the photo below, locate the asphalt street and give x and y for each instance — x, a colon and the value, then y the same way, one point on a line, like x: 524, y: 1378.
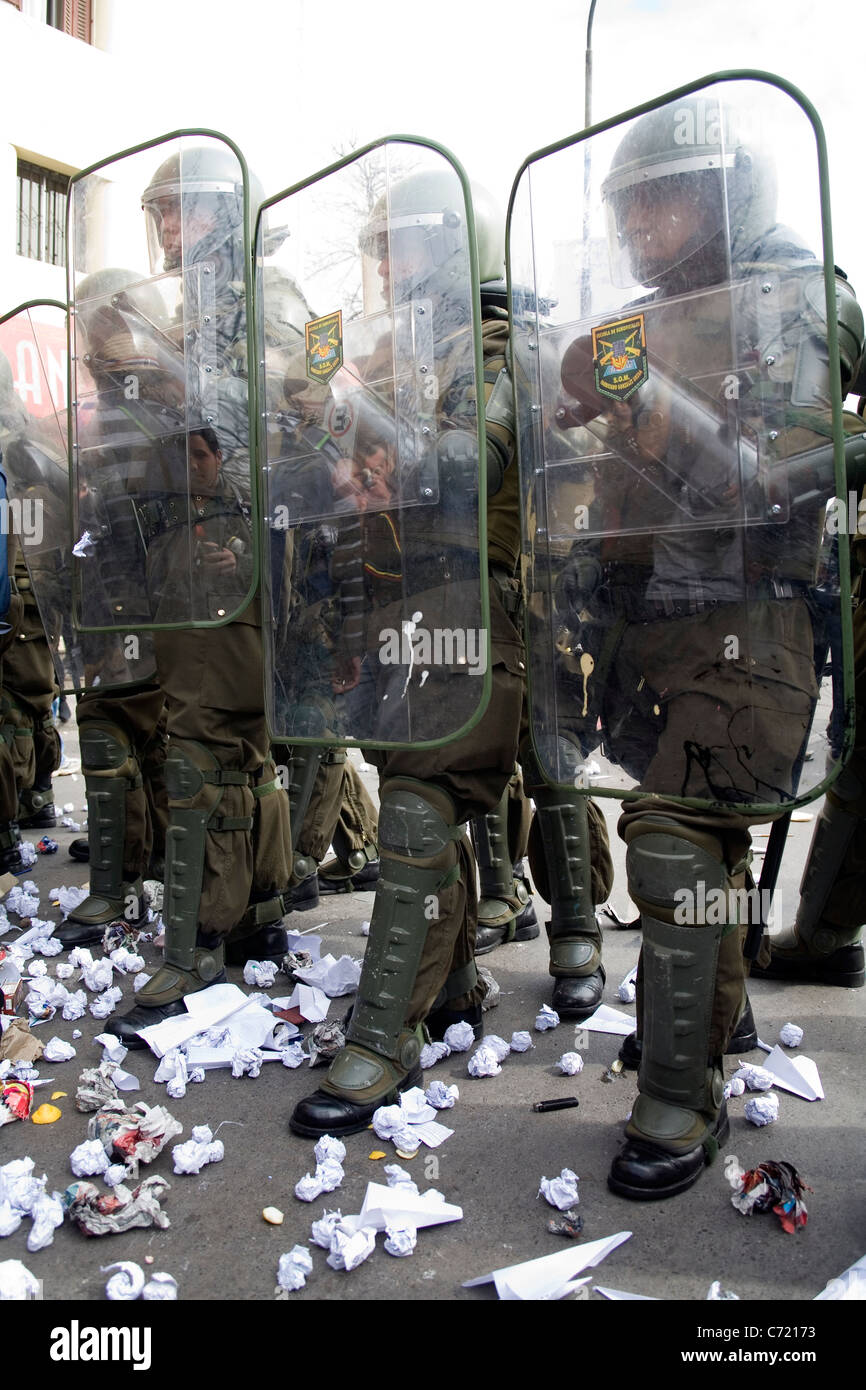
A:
x: 219, y: 1247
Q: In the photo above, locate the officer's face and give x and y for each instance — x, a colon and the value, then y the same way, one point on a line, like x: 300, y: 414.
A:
x: 204, y: 463
x: 657, y: 226
x: 179, y: 222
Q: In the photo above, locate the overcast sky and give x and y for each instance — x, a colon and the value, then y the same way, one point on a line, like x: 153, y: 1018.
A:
x: 291, y: 80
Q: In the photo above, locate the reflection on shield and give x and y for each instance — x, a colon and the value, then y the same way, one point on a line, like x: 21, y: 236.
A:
x: 161, y: 425
x: 678, y: 456
x: 35, y: 455
x: 373, y: 568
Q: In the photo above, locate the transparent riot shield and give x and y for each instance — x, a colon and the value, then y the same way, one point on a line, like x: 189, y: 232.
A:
x: 680, y: 430
x: 159, y: 284
x: 369, y: 343
x: 34, y: 421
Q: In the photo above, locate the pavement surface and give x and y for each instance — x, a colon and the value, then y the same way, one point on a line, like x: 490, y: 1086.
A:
x: 219, y: 1247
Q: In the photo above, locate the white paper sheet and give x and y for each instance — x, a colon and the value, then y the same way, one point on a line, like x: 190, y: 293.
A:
x: 608, y: 1020
x: 546, y: 1278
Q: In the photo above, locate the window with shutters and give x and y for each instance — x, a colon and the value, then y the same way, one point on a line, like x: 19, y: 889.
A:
x: 42, y: 213
x: 74, y: 17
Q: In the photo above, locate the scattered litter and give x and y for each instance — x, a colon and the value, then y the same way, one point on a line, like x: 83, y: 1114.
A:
x: 459, y: 1036
x: 799, y: 1075
x: 260, y: 973
x: 201, y: 1149
x: 247, y: 1061
x: 136, y: 1136
x: 484, y: 1062
x: 46, y: 1115
x: 112, y: 1047
x: 790, y: 1035
x: 395, y: 1206
x: 365, y: 928
x: 560, y: 1192
x: 325, y: 1041
x: 68, y: 899
x: 492, y: 992
x: 410, y: 1123
x: 89, y: 1159
x: 433, y: 1052
x: 569, y: 1224
x: 56, y: 1050
x: 717, y: 1294
x: 293, y: 1055
x: 126, y: 961
x: 350, y: 1247
x: 756, y: 1078
x: 498, y: 1045
x: 127, y: 1284
x: 96, y: 1087
x: 735, y: 1087
x: 105, y: 1004
x: 561, y: 1103
x: 334, y: 977
x: 294, y: 1267
x: 160, y: 1288
x: 377, y: 1154
x: 98, y: 974
x: 17, y: 1284
x: 521, y: 1042
x: 16, y: 1098
x: 322, y: 1231
x: 621, y: 1296
x: 570, y: 1063
x: 273, y: 1216
x: 223, y: 1005
x: 75, y: 1005
x: 763, y: 1109
x: 108, y: 1213
x: 626, y: 990
x: 47, y: 846
x: 401, y: 1240
x: 551, y: 1276
x: 547, y: 1018
x: 19, y: 1045
x: 440, y: 1096
x: 608, y: 1020
x: 846, y: 1287
x: 396, y: 1176
x: 774, y: 1186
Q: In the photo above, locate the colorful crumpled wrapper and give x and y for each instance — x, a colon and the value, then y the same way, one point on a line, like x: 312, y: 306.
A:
x: 108, y: 1213
x: 775, y: 1187
x: 16, y: 1099
x: 134, y: 1136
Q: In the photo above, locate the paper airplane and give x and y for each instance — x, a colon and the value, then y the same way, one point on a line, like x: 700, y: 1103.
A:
x: 546, y: 1278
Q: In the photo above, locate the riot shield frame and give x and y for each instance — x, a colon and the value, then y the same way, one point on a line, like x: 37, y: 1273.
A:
x: 26, y: 307
x: 838, y: 438
x: 252, y: 380
x: 261, y: 427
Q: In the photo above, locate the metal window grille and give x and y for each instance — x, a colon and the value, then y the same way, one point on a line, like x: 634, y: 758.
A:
x: 42, y: 213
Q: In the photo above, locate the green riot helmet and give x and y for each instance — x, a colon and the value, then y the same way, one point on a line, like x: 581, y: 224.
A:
x: 194, y: 206
x: 122, y: 326
x: 687, y: 193
x: 416, y: 236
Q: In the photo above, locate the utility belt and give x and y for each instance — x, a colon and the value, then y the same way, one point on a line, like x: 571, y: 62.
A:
x: 611, y: 601
x: 165, y: 514
x: 509, y: 592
